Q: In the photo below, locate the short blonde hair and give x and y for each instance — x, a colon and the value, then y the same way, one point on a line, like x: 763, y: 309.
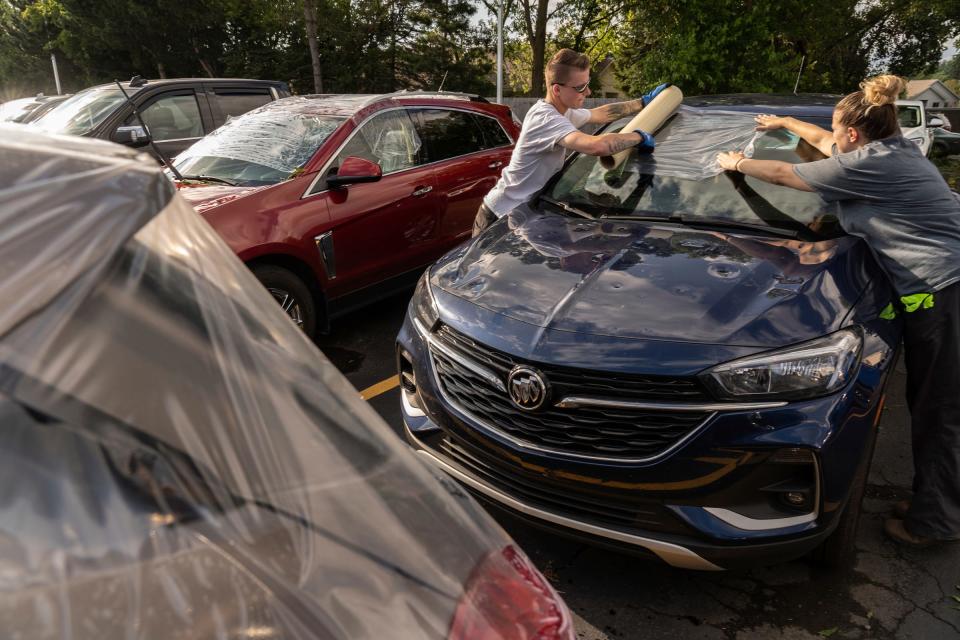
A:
x: 872, y: 110
x: 562, y: 65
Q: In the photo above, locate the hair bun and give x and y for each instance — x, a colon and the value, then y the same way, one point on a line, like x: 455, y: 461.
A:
x: 881, y: 90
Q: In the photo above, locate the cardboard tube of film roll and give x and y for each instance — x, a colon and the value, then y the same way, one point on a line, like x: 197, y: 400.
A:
x: 650, y: 119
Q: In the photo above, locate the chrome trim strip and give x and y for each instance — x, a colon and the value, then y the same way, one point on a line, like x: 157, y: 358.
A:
x: 752, y: 524
x: 481, y: 371
x: 323, y: 241
x: 746, y: 523
x: 179, y: 139
x: 672, y: 554
x: 523, y: 444
x: 572, y: 402
x: 309, y: 193
x: 408, y: 408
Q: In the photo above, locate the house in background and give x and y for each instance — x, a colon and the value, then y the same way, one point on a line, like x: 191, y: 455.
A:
x: 933, y: 93
x: 605, y: 78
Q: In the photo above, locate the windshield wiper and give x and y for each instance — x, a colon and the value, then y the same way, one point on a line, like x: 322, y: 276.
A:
x: 710, y: 222
x: 568, y: 208
x: 205, y: 178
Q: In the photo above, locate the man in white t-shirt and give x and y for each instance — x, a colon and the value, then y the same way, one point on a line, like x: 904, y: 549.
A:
x: 551, y: 127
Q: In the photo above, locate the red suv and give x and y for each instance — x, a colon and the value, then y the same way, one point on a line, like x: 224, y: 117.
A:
x: 334, y: 201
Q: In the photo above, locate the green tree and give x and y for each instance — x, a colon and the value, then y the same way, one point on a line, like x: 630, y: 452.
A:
x: 760, y: 46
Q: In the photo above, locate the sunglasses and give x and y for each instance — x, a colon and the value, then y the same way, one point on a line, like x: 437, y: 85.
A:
x: 580, y: 88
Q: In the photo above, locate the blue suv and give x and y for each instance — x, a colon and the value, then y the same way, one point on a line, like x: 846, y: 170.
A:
x: 686, y: 366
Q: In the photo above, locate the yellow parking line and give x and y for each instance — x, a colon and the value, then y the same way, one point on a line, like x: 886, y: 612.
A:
x: 381, y: 387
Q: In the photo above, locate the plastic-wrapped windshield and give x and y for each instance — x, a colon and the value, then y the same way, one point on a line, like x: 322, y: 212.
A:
x: 81, y: 113
x: 682, y: 178
x: 176, y: 458
x: 263, y: 146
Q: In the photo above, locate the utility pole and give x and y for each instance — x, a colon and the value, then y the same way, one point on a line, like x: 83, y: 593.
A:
x: 56, y: 74
x: 500, y: 51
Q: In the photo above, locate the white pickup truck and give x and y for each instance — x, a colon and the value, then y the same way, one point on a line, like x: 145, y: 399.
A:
x: 913, y: 123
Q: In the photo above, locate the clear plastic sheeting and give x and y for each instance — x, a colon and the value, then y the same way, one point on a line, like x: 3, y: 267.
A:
x: 688, y: 144
x: 389, y: 139
x: 176, y: 459
x: 281, y: 135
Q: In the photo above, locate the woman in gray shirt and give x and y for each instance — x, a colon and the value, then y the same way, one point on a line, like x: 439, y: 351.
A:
x: 887, y: 193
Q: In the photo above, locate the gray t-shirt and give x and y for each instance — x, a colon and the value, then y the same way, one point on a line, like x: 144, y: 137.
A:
x: 887, y: 193
x: 537, y: 156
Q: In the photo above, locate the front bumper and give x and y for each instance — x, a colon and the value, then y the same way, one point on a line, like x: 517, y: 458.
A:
x: 690, y: 507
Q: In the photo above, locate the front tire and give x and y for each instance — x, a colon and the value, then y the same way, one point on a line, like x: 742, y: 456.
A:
x: 292, y: 294
x: 839, y: 549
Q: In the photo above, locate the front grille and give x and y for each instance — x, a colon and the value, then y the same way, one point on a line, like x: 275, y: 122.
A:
x: 585, y: 431
x: 555, y: 496
x: 582, y: 382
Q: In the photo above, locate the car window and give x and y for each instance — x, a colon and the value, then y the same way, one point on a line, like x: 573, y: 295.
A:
x: 171, y: 117
x: 909, y: 116
x: 639, y: 188
x: 449, y: 134
x: 235, y: 103
x: 493, y: 134
x: 389, y: 139
x: 83, y: 112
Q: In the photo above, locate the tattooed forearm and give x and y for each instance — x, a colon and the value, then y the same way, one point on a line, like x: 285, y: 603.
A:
x: 620, y: 109
x: 619, y: 141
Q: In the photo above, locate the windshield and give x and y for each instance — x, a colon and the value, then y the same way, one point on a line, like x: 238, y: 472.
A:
x: 681, y: 178
x: 82, y: 113
x: 10, y: 111
x: 264, y: 146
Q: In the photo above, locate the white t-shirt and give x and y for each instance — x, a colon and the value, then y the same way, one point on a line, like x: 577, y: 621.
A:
x: 536, y: 157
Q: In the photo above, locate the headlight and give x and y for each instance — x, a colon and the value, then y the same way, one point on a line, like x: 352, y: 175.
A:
x: 423, y: 305
x: 918, y: 141
x: 807, y: 370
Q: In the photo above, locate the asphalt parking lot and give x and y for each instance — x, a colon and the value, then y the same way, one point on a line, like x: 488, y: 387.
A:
x: 889, y: 593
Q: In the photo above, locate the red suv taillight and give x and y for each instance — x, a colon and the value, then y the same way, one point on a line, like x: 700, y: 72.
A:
x: 507, y: 598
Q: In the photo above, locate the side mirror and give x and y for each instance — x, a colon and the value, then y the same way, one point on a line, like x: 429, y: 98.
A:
x: 353, y: 170
x: 132, y: 136
x: 935, y: 122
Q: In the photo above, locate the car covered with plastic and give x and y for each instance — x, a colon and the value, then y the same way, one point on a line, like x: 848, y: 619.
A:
x: 661, y: 356
x: 178, y: 461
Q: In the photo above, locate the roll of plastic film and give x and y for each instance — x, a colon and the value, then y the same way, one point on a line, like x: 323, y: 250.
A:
x: 650, y: 119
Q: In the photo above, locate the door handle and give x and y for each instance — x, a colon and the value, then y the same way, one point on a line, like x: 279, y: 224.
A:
x: 421, y: 191
x: 496, y: 164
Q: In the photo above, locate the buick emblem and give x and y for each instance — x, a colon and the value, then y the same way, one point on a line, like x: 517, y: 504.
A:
x: 527, y: 388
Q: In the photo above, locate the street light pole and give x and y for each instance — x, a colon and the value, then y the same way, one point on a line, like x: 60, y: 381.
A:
x: 56, y: 75
x: 500, y: 51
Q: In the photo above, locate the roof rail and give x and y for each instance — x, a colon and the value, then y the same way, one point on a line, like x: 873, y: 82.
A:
x: 411, y: 93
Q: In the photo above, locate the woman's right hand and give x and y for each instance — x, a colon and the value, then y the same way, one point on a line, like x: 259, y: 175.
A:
x: 766, y: 122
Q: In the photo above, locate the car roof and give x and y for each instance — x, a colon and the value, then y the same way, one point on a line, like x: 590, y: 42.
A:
x: 349, y: 104
x: 811, y: 105
x: 149, y: 84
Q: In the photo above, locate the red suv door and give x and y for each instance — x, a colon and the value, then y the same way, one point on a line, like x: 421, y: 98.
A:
x: 468, y: 156
x: 385, y: 228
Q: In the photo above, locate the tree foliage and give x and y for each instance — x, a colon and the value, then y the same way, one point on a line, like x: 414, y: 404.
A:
x: 362, y: 45
x: 704, y: 46
x: 719, y: 46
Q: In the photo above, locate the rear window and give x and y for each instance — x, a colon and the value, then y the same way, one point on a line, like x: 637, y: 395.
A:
x: 909, y: 116
x: 235, y: 103
x: 681, y: 179
x: 493, y: 134
x: 449, y: 134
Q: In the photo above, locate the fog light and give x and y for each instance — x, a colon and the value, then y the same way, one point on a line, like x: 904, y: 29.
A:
x: 795, y: 498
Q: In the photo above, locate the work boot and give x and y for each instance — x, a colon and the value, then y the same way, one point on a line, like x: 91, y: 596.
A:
x: 897, y: 532
x: 900, y: 509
